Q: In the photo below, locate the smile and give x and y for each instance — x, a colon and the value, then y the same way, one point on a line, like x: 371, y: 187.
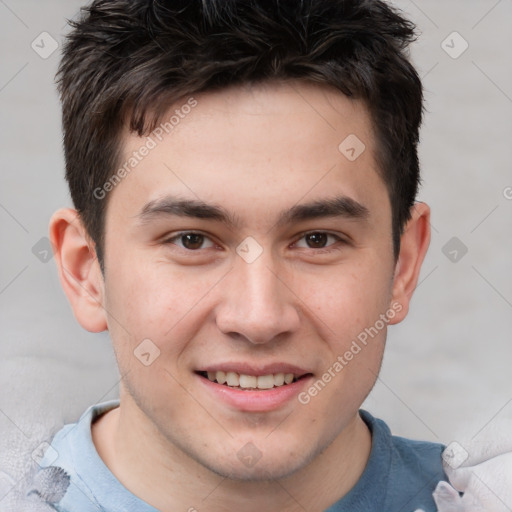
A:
x: 248, y: 388
x: 250, y: 382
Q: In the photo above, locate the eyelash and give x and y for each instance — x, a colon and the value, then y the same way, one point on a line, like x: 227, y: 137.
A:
x: 321, y: 250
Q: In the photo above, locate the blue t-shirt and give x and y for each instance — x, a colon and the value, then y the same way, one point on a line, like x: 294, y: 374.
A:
x: 400, y: 475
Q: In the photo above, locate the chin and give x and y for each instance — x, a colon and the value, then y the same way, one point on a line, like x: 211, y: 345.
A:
x: 274, y: 465
x: 261, y: 472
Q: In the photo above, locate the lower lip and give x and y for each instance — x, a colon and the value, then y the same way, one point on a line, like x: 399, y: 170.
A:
x: 255, y: 401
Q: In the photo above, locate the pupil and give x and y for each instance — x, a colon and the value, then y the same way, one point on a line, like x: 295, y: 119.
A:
x: 192, y: 240
x: 317, y: 239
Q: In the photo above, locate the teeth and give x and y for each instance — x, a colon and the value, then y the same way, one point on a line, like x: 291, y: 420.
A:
x: 266, y: 382
x: 251, y: 381
x: 279, y: 379
x: 248, y: 381
x: 232, y: 379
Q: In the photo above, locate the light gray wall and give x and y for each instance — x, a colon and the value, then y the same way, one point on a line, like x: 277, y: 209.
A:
x: 448, y: 367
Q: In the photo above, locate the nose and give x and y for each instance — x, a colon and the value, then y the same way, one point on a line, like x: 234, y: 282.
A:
x: 257, y: 305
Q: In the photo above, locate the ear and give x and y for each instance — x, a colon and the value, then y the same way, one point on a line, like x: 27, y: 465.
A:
x: 79, y: 270
x: 413, y: 248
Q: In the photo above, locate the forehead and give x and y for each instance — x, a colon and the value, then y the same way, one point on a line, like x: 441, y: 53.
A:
x: 256, y: 145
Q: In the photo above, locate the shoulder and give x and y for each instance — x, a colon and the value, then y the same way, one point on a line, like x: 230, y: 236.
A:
x: 52, y: 469
x: 71, y: 459
x: 409, y: 469
x: 92, y: 486
x: 418, y: 457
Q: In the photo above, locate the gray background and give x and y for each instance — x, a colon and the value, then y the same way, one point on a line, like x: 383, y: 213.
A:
x: 447, y: 368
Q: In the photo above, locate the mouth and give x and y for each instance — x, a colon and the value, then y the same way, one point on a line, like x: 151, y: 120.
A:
x: 247, y: 382
x: 246, y: 387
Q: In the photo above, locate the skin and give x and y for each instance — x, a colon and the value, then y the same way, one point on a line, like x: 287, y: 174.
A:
x: 256, y: 151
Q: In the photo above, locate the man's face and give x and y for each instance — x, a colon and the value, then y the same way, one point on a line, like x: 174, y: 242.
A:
x: 268, y: 294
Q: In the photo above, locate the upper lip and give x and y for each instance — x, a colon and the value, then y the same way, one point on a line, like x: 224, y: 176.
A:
x: 255, y: 370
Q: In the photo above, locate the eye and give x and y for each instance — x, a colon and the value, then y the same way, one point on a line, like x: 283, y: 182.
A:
x: 193, y: 241
x: 318, y: 240
x: 190, y: 241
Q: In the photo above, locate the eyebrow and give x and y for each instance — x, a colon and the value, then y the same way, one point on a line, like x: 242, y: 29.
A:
x: 340, y: 206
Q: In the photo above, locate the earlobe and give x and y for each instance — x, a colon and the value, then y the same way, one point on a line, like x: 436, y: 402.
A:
x: 413, y: 248
x: 78, y: 268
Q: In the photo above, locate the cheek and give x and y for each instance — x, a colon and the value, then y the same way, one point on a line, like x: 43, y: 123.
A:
x: 347, y: 315
x: 154, y: 302
x: 346, y: 299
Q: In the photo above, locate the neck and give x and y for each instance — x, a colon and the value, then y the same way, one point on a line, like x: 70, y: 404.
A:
x: 165, y: 477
